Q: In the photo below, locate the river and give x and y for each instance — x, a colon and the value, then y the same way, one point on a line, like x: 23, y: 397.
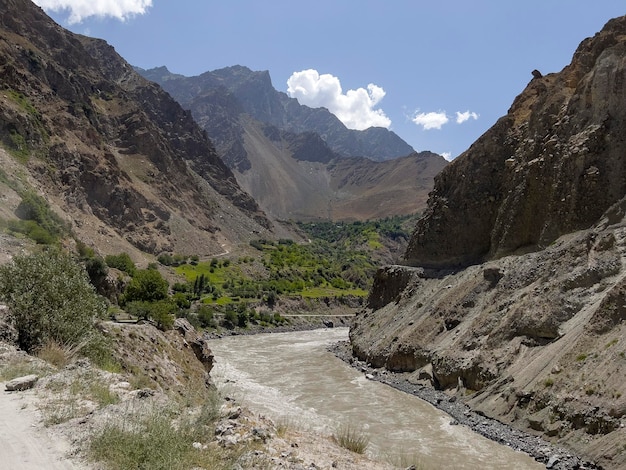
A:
x: 293, y: 379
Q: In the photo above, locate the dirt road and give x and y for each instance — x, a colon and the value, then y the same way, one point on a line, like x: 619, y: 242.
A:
x: 25, y: 444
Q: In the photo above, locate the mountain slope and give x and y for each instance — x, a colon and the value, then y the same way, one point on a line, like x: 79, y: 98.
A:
x: 282, y: 154
x: 109, y: 148
x: 257, y: 96
x: 515, y: 303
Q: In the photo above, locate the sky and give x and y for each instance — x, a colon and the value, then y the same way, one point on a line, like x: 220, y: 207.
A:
x: 437, y: 73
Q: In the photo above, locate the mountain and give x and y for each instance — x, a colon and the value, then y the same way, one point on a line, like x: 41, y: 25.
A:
x: 515, y: 301
x: 257, y: 96
x: 295, y: 160
x: 109, y: 149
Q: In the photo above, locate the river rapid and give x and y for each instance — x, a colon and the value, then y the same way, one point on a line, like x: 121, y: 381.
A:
x: 293, y: 379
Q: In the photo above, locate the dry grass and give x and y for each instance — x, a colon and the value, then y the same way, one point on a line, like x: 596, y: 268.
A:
x: 352, y: 439
x: 57, y: 354
x: 21, y: 366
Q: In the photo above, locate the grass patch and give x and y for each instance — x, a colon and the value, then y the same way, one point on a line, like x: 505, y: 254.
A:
x: 549, y: 382
x: 154, y: 442
x: 73, y: 397
x: 352, y: 439
x: 20, y: 367
x: 581, y: 357
x: 406, y: 460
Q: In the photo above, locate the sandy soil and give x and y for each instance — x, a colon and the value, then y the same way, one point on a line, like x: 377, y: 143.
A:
x: 25, y: 443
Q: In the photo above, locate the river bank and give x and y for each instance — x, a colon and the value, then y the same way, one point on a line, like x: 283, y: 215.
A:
x: 542, y: 451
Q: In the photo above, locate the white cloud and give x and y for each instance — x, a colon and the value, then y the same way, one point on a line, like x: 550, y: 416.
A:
x: 462, y: 117
x: 355, y: 108
x: 436, y: 120
x: 447, y: 156
x: 430, y: 120
x: 81, y: 9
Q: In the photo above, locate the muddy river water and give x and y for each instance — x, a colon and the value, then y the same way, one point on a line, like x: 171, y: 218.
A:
x: 292, y: 378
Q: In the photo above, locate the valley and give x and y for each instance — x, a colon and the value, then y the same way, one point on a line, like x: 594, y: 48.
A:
x: 146, y: 217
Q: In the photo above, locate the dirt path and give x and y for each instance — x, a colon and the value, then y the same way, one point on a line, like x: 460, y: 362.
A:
x: 25, y: 444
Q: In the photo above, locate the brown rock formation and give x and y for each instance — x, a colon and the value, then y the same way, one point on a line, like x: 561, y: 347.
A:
x: 516, y: 301
x: 552, y: 165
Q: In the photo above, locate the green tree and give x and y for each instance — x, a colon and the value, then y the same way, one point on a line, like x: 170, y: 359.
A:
x: 205, y: 317
x: 146, y: 285
x: 50, y: 298
x: 161, y: 312
x: 242, y: 318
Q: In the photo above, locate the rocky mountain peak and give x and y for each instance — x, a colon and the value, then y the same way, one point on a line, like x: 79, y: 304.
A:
x: 258, y: 97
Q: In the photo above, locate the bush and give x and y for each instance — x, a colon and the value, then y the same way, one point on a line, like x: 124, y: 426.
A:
x: 35, y: 208
x: 97, y: 270
x: 50, y: 299
x: 230, y: 319
x: 242, y: 319
x: 32, y: 230
x: 123, y: 262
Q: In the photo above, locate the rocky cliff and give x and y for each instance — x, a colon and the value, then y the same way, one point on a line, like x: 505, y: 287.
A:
x: 552, y: 165
x: 109, y: 148
x: 515, y: 301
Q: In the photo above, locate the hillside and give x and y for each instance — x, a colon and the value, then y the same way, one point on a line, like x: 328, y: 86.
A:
x: 126, y: 166
x: 515, y: 299
x: 297, y: 162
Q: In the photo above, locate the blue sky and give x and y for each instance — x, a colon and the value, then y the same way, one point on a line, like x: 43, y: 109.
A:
x: 438, y: 73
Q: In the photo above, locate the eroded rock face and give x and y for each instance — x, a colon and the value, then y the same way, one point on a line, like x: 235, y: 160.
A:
x: 531, y: 339
x: 552, y: 165
x: 516, y: 298
x: 198, y: 344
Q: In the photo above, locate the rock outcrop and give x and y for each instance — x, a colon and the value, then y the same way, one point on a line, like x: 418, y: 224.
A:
x: 514, y: 301
x: 554, y: 164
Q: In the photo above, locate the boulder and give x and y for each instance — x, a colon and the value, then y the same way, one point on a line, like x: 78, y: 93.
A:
x: 21, y: 383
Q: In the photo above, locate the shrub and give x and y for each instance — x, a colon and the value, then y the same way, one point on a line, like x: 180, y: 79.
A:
x: 35, y: 208
x: 230, y: 319
x: 50, y: 298
x: 32, y: 230
x: 166, y: 259
x: 242, y: 319
x: 123, y: 262
x: 97, y: 270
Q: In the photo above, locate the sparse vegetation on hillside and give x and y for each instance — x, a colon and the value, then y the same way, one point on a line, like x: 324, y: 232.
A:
x: 36, y: 220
